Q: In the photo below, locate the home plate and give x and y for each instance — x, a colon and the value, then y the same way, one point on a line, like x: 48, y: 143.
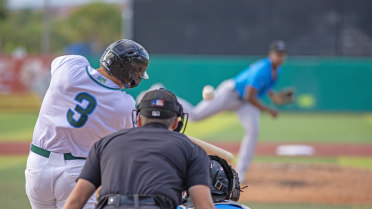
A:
x: 295, y: 150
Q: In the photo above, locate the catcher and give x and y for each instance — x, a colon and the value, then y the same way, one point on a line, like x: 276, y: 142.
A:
x: 242, y: 94
x: 224, y: 185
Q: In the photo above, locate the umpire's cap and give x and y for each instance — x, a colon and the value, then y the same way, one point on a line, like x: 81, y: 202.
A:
x: 278, y: 46
x: 160, y: 103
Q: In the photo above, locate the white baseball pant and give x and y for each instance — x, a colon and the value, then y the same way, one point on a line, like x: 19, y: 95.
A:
x: 226, y: 98
x: 49, y: 181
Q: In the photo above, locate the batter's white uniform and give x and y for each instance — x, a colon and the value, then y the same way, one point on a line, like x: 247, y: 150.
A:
x: 80, y: 107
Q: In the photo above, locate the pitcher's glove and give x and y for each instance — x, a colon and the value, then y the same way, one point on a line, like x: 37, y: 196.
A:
x: 284, y: 97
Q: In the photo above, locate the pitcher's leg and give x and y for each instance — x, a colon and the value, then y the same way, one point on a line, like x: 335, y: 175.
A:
x: 187, y: 106
x: 249, y: 117
x: 225, y: 98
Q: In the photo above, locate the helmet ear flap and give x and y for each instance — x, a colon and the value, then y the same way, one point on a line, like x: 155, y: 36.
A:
x: 134, y: 72
x: 126, y: 75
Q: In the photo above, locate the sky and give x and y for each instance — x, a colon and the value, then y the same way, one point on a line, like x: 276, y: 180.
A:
x: 37, y: 4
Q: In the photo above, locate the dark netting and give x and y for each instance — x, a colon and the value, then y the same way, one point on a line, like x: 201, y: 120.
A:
x: 240, y: 27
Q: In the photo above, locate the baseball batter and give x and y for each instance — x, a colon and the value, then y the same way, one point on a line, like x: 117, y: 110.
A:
x: 81, y: 106
x: 243, y: 94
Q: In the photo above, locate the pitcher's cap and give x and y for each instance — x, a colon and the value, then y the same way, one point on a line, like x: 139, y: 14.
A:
x: 278, y: 46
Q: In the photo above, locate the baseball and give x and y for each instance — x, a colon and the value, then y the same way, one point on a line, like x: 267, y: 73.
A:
x: 208, y: 93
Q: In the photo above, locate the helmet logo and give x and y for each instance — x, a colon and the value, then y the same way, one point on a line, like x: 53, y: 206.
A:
x: 109, y: 62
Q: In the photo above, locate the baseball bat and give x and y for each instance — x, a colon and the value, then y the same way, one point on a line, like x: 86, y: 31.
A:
x: 211, y: 149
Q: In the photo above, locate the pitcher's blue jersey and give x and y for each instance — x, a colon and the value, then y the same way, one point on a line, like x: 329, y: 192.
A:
x: 258, y: 76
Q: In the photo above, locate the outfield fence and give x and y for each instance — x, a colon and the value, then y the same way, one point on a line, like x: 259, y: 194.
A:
x: 321, y: 83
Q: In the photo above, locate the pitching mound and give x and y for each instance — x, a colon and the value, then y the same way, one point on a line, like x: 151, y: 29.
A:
x: 290, y: 183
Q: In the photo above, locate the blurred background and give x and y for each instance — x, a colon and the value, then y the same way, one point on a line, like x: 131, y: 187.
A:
x: 195, y: 43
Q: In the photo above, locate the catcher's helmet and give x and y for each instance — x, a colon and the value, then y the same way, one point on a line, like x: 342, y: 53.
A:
x: 127, y: 61
x: 224, y: 180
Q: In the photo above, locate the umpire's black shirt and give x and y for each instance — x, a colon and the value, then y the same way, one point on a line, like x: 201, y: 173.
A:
x: 149, y: 160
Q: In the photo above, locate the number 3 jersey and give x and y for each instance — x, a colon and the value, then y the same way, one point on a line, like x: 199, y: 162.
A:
x: 80, y: 107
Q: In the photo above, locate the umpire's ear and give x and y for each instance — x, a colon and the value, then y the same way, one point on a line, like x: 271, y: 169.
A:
x: 139, y: 121
x: 174, y: 124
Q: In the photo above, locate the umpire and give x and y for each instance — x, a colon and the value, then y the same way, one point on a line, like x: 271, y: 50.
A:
x: 148, y: 166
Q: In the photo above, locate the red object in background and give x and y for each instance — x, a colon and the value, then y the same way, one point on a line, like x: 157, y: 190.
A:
x: 18, y: 74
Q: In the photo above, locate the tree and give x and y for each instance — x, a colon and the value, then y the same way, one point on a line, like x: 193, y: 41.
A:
x: 2, y: 9
x: 21, y: 29
x: 97, y: 23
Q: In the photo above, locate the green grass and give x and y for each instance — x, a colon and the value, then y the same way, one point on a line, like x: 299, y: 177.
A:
x: 17, y: 126
x: 289, y: 127
x: 357, y: 162
x: 12, y: 182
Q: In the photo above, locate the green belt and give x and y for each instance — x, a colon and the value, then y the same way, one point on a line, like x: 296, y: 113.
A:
x: 46, y: 153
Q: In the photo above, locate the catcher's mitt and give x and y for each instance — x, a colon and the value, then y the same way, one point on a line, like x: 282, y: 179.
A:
x: 284, y: 97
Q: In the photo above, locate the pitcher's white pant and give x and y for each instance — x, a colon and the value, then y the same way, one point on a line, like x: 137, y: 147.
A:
x: 249, y: 116
x: 49, y: 181
x: 226, y: 98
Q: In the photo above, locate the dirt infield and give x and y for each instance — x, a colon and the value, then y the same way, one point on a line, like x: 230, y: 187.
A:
x: 14, y: 148
x: 290, y: 183
x: 320, y: 149
x: 293, y: 183
x: 22, y: 148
